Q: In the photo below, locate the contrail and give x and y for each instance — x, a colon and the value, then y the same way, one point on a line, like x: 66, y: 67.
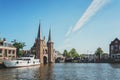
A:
x: 69, y: 31
x: 95, y: 6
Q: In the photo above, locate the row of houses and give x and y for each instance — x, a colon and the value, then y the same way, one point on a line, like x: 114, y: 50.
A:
x: 113, y: 55
x: 8, y: 51
x: 94, y: 58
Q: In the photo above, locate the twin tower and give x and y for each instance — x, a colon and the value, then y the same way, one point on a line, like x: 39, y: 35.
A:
x: 44, y: 51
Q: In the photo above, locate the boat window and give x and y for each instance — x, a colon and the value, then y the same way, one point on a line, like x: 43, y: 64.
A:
x: 26, y: 59
x: 34, y: 62
x: 19, y: 59
x: 17, y: 62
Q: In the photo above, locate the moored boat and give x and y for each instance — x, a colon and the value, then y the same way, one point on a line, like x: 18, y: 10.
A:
x: 22, y: 62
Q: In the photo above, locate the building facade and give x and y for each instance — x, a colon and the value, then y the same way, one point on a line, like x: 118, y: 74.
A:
x: 42, y: 49
x: 114, y: 50
x: 58, y: 56
x: 7, y: 50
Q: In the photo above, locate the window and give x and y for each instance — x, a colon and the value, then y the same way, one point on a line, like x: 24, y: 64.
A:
x: 5, y: 53
x: 13, y: 52
x: 112, y: 47
x: 112, y: 56
x: 0, y: 50
x: 116, y: 47
x: 9, y: 51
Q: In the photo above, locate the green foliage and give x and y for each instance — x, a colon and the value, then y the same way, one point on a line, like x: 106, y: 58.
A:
x: 98, y: 52
x: 82, y: 55
x: 21, y: 52
x: 65, y: 52
x: 72, y: 54
x: 19, y: 46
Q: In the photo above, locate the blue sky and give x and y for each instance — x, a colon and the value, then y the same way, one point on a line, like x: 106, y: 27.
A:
x: 97, y: 26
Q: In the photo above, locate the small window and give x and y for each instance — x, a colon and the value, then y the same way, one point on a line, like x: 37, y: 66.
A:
x: 9, y: 51
x: 0, y: 50
x: 112, y: 47
x: 13, y: 52
x: 112, y: 56
x: 5, y: 54
x: 5, y: 50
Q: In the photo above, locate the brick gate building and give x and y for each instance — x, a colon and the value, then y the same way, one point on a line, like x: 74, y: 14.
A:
x: 42, y: 50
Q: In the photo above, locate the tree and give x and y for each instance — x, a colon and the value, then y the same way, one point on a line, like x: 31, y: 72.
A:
x: 66, y: 54
x: 73, y: 53
x: 82, y: 56
x: 98, y: 52
x: 19, y: 46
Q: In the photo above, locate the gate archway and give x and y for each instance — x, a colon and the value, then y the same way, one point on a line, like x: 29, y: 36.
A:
x: 45, y: 59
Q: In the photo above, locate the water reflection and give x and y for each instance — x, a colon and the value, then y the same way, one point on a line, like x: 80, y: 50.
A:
x: 115, y: 65
x: 63, y: 71
x: 46, y: 72
x: 19, y: 73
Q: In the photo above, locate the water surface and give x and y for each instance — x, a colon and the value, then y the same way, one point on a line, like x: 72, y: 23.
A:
x: 63, y: 71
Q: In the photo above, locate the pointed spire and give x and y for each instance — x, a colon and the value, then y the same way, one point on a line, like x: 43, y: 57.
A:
x: 49, y: 37
x: 39, y: 32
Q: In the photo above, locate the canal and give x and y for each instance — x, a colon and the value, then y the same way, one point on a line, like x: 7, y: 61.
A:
x: 63, y: 71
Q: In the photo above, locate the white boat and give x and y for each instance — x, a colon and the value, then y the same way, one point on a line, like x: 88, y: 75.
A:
x: 22, y: 62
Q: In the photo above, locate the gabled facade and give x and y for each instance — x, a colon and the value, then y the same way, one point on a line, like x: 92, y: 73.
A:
x: 114, y: 50
x: 43, y: 50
